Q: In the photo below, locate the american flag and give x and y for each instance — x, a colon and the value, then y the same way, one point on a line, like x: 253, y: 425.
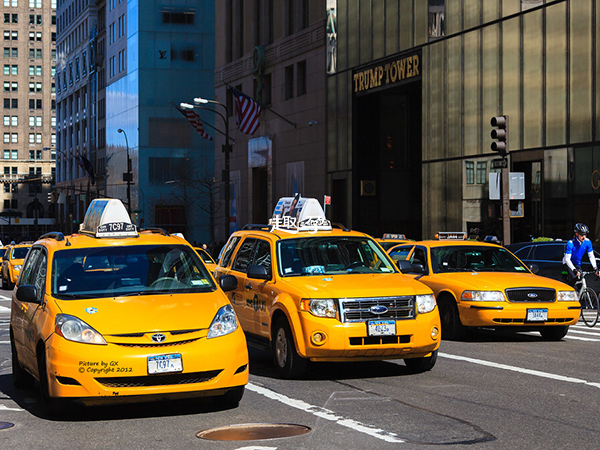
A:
x: 247, y: 112
x: 194, y: 120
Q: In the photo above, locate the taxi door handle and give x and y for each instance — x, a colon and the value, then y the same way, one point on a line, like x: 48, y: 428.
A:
x: 248, y: 286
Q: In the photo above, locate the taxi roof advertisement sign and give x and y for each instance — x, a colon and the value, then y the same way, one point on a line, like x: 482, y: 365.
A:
x: 301, y: 214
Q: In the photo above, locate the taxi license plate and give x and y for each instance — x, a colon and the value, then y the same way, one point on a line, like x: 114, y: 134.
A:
x: 165, y: 363
x: 381, y: 328
x: 537, y: 315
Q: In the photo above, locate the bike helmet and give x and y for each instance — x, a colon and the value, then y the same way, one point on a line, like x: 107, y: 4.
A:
x: 581, y: 228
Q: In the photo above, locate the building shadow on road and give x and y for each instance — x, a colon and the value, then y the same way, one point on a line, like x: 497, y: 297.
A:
x: 31, y: 401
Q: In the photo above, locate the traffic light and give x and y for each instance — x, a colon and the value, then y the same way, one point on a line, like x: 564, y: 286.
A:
x: 500, y: 133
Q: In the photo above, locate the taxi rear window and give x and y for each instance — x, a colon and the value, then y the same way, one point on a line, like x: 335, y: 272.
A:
x: 129, y: 270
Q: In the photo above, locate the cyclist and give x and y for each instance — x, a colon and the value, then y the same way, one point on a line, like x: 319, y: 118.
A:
x: 575, y: 250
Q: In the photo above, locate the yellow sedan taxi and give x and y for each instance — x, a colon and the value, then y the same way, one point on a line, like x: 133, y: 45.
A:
x: 12, y: 261
x: 478, y: 284
x: 310, y: 291
x: 390, y: 240
x: 117, y: 314
x: 208, y: 260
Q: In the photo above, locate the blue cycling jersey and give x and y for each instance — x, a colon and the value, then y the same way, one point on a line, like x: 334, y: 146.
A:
x: 577, y: 249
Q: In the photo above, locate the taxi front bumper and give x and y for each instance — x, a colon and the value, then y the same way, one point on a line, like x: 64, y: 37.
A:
x: 93, y: 373
x: 350, y: 341
x: 479, y: 314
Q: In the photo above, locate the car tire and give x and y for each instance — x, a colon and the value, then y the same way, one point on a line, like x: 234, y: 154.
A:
x: 54, y: 407
x: 554, y: 333
x: 233, y: 397
x: 21, y: 378
x: 420, y: 365
x: 288, y: 362
x: 452, y: 328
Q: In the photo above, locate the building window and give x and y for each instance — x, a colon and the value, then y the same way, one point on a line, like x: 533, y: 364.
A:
x: 470, y: 169
x: 482, y: 172
x: 437, y: 19
x: 289, y: 82
x: 179, y: 18
x: 301, y: 78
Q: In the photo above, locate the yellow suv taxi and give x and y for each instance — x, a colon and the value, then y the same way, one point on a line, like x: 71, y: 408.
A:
x: 310, y: 291
x: 113, y: 314
x: 12, y: 261
x: 478, y: 284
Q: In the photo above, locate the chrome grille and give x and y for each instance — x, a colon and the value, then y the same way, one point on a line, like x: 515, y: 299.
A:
x: 359, y: 309
x: 531, y: 295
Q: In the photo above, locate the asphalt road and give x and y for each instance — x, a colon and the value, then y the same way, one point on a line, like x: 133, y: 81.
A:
x: 495, y: 390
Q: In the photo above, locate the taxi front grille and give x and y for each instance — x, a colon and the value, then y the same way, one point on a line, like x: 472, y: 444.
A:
x: 158, y: 380
x: 523, y: 321
x: 531, y: 295
x: 362, y: 309
x: 153, y: 344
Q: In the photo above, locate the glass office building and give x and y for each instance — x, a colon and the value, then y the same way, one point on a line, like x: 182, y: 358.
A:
x: 412, y: 86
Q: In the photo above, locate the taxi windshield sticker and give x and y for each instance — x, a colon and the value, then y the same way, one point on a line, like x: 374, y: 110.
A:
x: 202, y: 282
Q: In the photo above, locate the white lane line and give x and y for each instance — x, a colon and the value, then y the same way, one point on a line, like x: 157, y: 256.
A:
x: 4, y: 309
x: 325, y: 414
x: 536, y: 373
x: 585, y: 330
x: 6, y: 408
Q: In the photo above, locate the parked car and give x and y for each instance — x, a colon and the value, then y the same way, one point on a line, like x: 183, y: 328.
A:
x: 547, y: 256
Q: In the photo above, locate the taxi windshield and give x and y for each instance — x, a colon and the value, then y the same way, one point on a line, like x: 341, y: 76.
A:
x: 19, y: 252
x: 128, y: 270
x: 331, y: 256
x: 465, y: 258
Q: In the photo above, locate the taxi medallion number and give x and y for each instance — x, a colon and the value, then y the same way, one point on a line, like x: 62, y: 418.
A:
x: 537, y: 315
x: 165, y: 363
x: 381, y: 328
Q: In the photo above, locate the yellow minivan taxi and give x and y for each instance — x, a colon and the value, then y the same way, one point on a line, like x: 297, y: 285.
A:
x: 311, y: 291
x: 113, y: 314
x: 478, y: 284
x: 12, y: 261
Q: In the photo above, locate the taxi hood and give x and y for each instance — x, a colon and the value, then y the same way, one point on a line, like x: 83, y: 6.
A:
x: 497, y: 281
x: 146, y: 313
x: 356, y: 285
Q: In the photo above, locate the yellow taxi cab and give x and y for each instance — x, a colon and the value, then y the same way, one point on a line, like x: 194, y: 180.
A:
x: 12, y: 261
x: 478, y: 284
x: 390, y: 240
x: 310, y: 291
x: 208, y: 260
x: 117, y: 314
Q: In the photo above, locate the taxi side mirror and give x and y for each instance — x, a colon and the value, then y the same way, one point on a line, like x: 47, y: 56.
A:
x: 534, y: 268
x: 258, y: 272
x: 228, y: 283
x: 27, y: 294
x: 404, y: 266
x: 418, y: 268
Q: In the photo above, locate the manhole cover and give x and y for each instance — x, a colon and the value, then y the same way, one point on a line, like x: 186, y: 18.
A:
x: 253, y: 432
x: 5, y: 425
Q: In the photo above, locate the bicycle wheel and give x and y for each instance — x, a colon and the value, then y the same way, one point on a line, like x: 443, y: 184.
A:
x: 589, y: 307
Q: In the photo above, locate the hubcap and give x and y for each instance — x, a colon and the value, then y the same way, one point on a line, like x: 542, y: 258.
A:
x: 281, y: 348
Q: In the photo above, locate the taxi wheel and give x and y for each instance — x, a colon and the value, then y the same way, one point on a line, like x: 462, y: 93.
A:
x: 288, y: 362
x: 21, y: 378
x: 419, y: 365
x: 554, y: 333
x: 54, y: 407
x: 233, y: 397
x: 452, y: 328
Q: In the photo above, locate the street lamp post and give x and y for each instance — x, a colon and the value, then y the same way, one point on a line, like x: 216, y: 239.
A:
x: 128, y: 175
x: 226, y: 148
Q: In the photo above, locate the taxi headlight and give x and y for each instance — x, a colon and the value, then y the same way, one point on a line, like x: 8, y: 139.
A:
x: 225, y: 322
x: 76, y: 330
x: 482, y: 296
x: 567, y: 296
x: 17, y: 267
x: 320, y: 307
x: 425, y: 303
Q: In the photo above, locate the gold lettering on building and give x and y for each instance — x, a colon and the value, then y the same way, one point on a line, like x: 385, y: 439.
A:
x: 390, y: 72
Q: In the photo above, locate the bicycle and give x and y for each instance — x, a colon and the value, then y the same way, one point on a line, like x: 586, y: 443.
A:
x: 590, y: 309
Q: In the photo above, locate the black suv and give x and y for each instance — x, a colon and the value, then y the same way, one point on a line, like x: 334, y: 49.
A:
x: 548, y: 256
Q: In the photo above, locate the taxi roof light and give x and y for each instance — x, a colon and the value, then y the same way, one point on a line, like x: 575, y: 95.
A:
x: 107, y: 217
x: 451, y: 236
x: 299, y: 214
